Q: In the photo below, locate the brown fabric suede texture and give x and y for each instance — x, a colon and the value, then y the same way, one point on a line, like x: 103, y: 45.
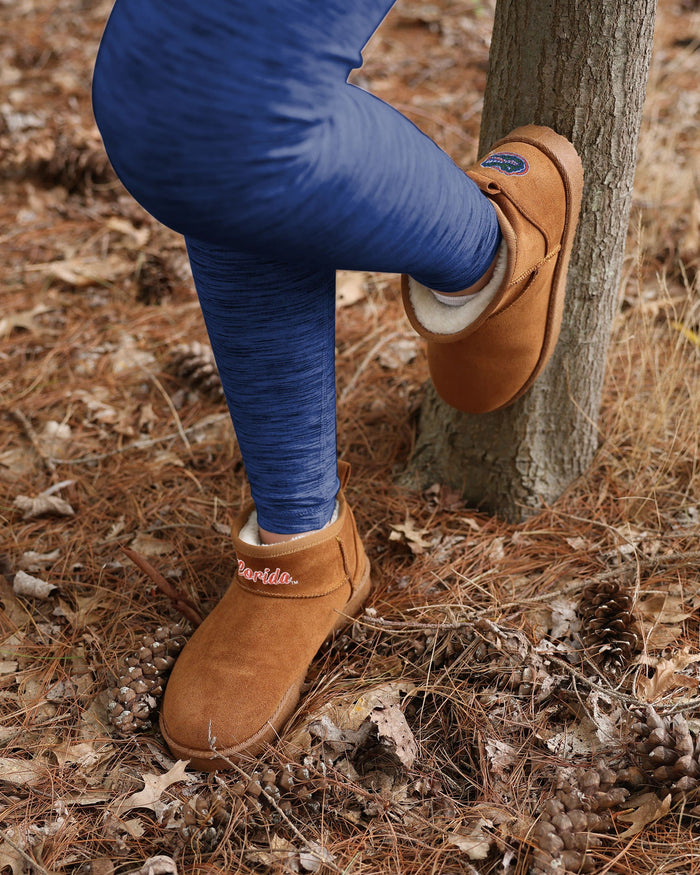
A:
x: 239, y: 677
x: 495, y: 359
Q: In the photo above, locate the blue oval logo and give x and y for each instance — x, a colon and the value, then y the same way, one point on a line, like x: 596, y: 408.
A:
x: 509, y: 163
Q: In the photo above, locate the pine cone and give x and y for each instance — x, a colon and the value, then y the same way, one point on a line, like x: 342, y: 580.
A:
x: 572, y: 821
x: 142, y: 679
x: 153, y: 281
x: 424, y: 650
x: 290, y: 786
x: 669, y: 754
x: 440, y: 649
x: 205, y: 817
x: 76, y: 160
x: 246, y: 799
x: 609, y: 631
x: 504, y: 659
x: 195, y: 363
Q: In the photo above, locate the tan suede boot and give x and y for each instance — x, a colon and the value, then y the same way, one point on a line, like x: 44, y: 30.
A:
x: 487, y: 352
x: 238, y: 679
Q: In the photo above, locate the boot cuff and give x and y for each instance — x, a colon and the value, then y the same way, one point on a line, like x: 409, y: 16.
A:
x: 446, y: 319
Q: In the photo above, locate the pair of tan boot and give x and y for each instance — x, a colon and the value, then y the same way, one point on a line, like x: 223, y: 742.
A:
x: 238, y: 680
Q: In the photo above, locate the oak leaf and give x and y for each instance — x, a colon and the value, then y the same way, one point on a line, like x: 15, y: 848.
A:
x: 409, y: 533
x: 153, y: 787
x: 668, y: 675
x: 647, y: 808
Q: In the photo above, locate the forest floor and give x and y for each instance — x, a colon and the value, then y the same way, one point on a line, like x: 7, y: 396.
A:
x: 516, y: 697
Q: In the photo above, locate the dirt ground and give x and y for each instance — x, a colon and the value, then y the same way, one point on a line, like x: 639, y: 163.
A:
x: 516, y: 698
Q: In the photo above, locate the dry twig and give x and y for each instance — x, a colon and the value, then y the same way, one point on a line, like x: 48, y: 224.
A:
x: 180, y: 601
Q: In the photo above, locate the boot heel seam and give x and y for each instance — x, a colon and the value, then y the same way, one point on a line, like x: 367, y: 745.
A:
x: 348, y: 576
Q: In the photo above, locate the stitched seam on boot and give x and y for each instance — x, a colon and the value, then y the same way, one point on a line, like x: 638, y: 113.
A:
x: 273, y: 595
x: 526, y: 291
x: 536, y: 267
x: 348, y: 576
x: 525, y: 212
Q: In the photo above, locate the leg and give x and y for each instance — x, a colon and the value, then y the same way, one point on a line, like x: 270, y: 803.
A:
x: 272, y: 329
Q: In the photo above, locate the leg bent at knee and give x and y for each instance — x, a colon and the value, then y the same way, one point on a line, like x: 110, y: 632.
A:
x: 242, y: 131
x: 211, y: 115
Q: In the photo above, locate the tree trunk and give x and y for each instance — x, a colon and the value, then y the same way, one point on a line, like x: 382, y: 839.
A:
x: 580, y: 68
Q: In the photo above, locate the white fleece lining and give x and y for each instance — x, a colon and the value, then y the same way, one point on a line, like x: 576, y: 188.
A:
x: 440, y: 318
x: 250, y: 534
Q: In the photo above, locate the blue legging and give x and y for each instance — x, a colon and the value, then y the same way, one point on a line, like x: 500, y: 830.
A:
x: 234, y: 124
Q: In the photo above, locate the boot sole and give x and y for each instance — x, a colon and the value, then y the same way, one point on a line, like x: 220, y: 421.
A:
x: 206, y: 760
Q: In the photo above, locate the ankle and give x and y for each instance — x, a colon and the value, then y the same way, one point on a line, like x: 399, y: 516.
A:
x: 456, y: 299
x: 255, y: 535
x: 277, y: 538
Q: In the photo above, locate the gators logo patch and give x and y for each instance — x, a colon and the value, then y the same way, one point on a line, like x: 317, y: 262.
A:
x: 509, y: 163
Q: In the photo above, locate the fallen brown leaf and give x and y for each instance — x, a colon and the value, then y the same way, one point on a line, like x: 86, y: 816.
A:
x: 476, y: 844
x: 52, y: 505
x: 84, y: 753
x: 350, y: 287
x: 411, y: 535
x: 32, y: 561
x: 153, y: 787
x: 54, y: 438
x: 646, y: 809
x: 80, y: 272
x: 23, y: 319
x: 22, y: 773
x: 351, y: 712
x: 87, y: 797
x: 11, y: 858
x: 130, y: 358
x: 662, y: 608
x: 501, y: 755
x: 139, y: 236
x: 667, y: 676
x: 33, y: 587
x: 399, y: 353
x: 101, y: 866
x: 393, y: 728
x: 160, y: 865
x: 314, y: 857
x: 282, y: 855
x: 147, y: 545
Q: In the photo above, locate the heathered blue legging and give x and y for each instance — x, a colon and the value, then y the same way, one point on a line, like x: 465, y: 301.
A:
x: 232, y: 122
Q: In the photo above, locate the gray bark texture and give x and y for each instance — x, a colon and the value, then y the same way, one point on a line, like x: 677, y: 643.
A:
x: 582, y: 69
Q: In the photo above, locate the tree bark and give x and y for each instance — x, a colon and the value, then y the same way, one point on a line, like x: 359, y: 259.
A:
x: 582, y: 69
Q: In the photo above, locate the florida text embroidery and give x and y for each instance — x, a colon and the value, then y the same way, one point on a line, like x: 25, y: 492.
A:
x: 269, y: 578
